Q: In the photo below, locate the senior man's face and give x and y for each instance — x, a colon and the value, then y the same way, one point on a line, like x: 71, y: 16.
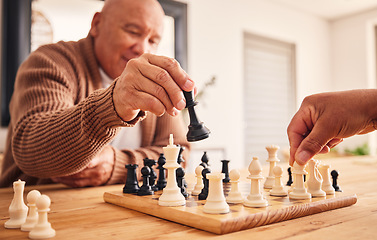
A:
x: 125, y: 30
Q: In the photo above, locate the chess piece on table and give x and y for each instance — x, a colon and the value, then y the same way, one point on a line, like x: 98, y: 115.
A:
x: 197, y: 131
x: 180, y: 181
x: 17, y: 209
x: 299, y: 190
x: 132, y: 185
x: 204, y: 160
x: 161, y: 182
x: 32, y: 218
x: 272, y: 159
x: 199, y: 182
x: 289, y: 182
x: 204, y: 193
x: 255, y: 197
x: 324, y: 169
x: 234, y: 196
x: 179, y: 161
x: 43, y: 228
x: 225, y: 170
x: 335, y: 175
x: 277, y: 188
x: 315, y: 180
x: 146, y: 188
x: 171, y: 195
x: 215, y: 202
x: 152, y: 175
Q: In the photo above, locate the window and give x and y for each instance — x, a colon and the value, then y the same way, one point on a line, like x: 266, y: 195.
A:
x: 269, y: 93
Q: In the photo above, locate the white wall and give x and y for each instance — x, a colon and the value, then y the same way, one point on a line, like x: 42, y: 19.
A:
x: 216, y: 48
x: 354, y: 61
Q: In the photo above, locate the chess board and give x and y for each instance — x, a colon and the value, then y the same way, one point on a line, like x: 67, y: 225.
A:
x: 239, y: 218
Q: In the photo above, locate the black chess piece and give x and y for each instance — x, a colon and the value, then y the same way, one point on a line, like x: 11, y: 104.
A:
x: 145, y: 189
x: 289, y: 183
x: 204, y: 160
x: 180, y: 179
x: 180, y: 158
x: 161, y: 182
x: 197, y: 131
x: 179, y: 161
x: 334, y: 175
x: 132, y: 185
x: 225, y: 170
x: 152, y: 176
x: 204, y: 193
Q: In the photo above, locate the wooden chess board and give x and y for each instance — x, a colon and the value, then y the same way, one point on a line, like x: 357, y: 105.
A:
x: 239, y: 218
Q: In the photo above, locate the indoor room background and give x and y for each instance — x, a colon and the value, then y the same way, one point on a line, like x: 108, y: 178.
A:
x: 253, y: 60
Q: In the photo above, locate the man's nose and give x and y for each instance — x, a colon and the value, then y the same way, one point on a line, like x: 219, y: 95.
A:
x: 141, y: 47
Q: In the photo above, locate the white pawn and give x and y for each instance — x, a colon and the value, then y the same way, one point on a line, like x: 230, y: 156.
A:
x: 199, y: 181
x: 215, y: 202
x: 277, y: 188
x: 314, y: 181
x: 299, y: 190
x: 324, y: 169
x: 272, y: 159
x: 17, y: 209
x: 255, y: 198
x: 32, y: 218
x: 43, y: 228
x: 234, y: 196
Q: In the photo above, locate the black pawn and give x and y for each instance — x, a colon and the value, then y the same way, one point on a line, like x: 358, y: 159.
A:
x: 145, y: 189
x: 180, y: 179
x: 197, y: 131
x: 334, y: 175
x: 161, y: 182
x: 152, y: 176
x: 225, y: 170
x: 204, y: 160
x: 132, y: 185
x: 204, y: 193
x: 289, y: 183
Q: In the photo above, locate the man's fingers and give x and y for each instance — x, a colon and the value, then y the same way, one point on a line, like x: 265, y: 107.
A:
x: 175, y: 71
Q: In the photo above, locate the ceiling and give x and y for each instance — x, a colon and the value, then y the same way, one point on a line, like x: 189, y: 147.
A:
x: 330, y: 9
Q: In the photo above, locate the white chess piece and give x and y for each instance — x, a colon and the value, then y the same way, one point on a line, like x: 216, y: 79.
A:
x: 324, y: 169
x: 314, y: 181
x: 272, y: 159
x: 171, y: 195
x: 234, y: 196
x: 42, y: 229
x: 277, y: 188
x: 199, y: 181
x: 299, y: 190
x: 32, y: 218
x: 17, y: 209
x: 215, y: 202
x: 255, y: 198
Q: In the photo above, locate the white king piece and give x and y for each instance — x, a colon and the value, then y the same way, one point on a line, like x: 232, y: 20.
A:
x: 171, y: 195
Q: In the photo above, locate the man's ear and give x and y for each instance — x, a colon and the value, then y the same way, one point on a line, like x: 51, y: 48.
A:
x: 95, y: 24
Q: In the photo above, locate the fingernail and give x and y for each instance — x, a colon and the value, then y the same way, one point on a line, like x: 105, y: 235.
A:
x: 303, y: 157
x: 175, y: 112
x: 181, y: 104
x: 188, y: 84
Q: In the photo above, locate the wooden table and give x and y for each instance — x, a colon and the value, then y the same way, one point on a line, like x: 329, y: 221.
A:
x: 82, y: 214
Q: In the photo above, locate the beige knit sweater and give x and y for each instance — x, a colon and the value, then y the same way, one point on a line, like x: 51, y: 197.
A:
x: 61, y: 118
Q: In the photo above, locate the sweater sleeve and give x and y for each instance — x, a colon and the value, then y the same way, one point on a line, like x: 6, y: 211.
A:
x: 56, y: 131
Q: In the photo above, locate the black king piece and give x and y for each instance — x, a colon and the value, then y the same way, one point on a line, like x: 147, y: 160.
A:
x: 196, y: 130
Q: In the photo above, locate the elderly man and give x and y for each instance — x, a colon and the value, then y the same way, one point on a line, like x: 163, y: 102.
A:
x: 79, y: 109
